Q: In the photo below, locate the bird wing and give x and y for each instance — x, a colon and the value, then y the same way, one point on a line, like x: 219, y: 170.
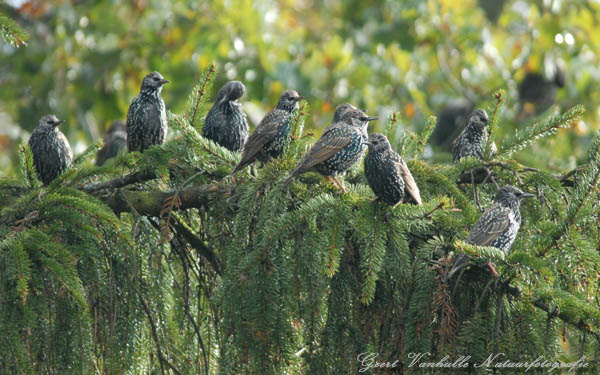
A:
x: 328, y: 145
x: 490, y: 225
x: 265, y: 131
x: 410, y: 183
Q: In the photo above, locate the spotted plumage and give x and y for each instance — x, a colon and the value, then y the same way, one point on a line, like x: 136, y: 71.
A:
x: 225, y: 122
x: 147, y: 116
x: 115, y: 141
x: 387, y: 173
x: 472, y: 140
x: 498, y: 225
x: 51, y: 151
x: 340, y: 146
x: 271, y: 134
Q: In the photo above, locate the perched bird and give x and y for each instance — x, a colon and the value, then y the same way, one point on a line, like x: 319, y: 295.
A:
x: 472, y: 140
x: 450, y: 119
x: 271, y: 134
x: 340, y: 146
x: 387, y: 173
x: 115, y: 141
x: 51, y: 151
x: 538, y: 93
x: 147, y: 117
x: 497, y: 226
x: 225, y: 122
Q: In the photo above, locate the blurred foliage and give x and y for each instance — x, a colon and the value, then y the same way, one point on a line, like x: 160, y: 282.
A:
x: 85, y: 60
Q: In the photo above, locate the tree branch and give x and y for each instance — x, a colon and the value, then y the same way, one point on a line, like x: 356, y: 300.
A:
x: 150, y: 203
x: 199, y: 245
x: 580, y: 325
x: 132, y: 178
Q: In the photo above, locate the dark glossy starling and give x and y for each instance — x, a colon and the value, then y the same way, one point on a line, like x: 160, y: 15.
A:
x: 147, y: 117
x: 497, y: 226
x: 340, y: 146
x: 537, y: 93
x: 450, y: 120
x: 225, y: 122
x: 271, y: 134
x: 51, y: 151
x: 387, y: 173
x: 472, y: 140
x: 115, y: 141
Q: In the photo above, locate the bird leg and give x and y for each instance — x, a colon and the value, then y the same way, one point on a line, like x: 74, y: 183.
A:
x: 491, y: 266
x: 337, y: 182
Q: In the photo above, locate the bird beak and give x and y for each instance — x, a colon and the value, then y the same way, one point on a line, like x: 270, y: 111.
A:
x: 163, y: 81
x: 527, y: 195
x: 300, y: 98
x: 58, y: 123
x: 370, y: 118
x: 368, y: 143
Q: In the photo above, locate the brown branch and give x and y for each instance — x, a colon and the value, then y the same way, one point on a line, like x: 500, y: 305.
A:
x: 199, y: 245
x: 132, y: 178
x: 150, y: 203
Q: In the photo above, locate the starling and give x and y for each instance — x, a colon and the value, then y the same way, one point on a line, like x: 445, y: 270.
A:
x: 147, y: 117
x: 450, y: 119
x: 472, y: 140
x: 271, y: 134
x: 52, y: 153
x: 497, y: 226
x: 537, y: 93
x: 387, y: 173
x: 225, y: 122
x: 115, y: 141
x: 340, y: 146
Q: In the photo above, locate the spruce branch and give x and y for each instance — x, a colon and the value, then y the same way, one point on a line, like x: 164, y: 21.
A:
x: 391, y: 125
x: 528, y: 134
x: 492, y: 128
x: 424, y: 136
x: 586, y: 184
x: 198, y: 94
x: 11, y: 32
x: 298, y: 121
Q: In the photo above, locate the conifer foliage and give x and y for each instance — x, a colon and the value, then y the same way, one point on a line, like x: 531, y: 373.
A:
x: 162, y: 263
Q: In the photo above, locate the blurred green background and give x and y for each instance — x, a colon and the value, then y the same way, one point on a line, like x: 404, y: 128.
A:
x: 85, y: 61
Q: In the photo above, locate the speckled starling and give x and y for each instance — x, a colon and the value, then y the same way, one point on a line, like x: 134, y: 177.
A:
x: 340, y: 146
x: 147, y: 117
x: 52, y: 153
x: 271, y: 134
x: 115, y: 141
x: 225, y: 122
x: 472, y: 140
x: 387, y: 173
x: 497, y: 226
